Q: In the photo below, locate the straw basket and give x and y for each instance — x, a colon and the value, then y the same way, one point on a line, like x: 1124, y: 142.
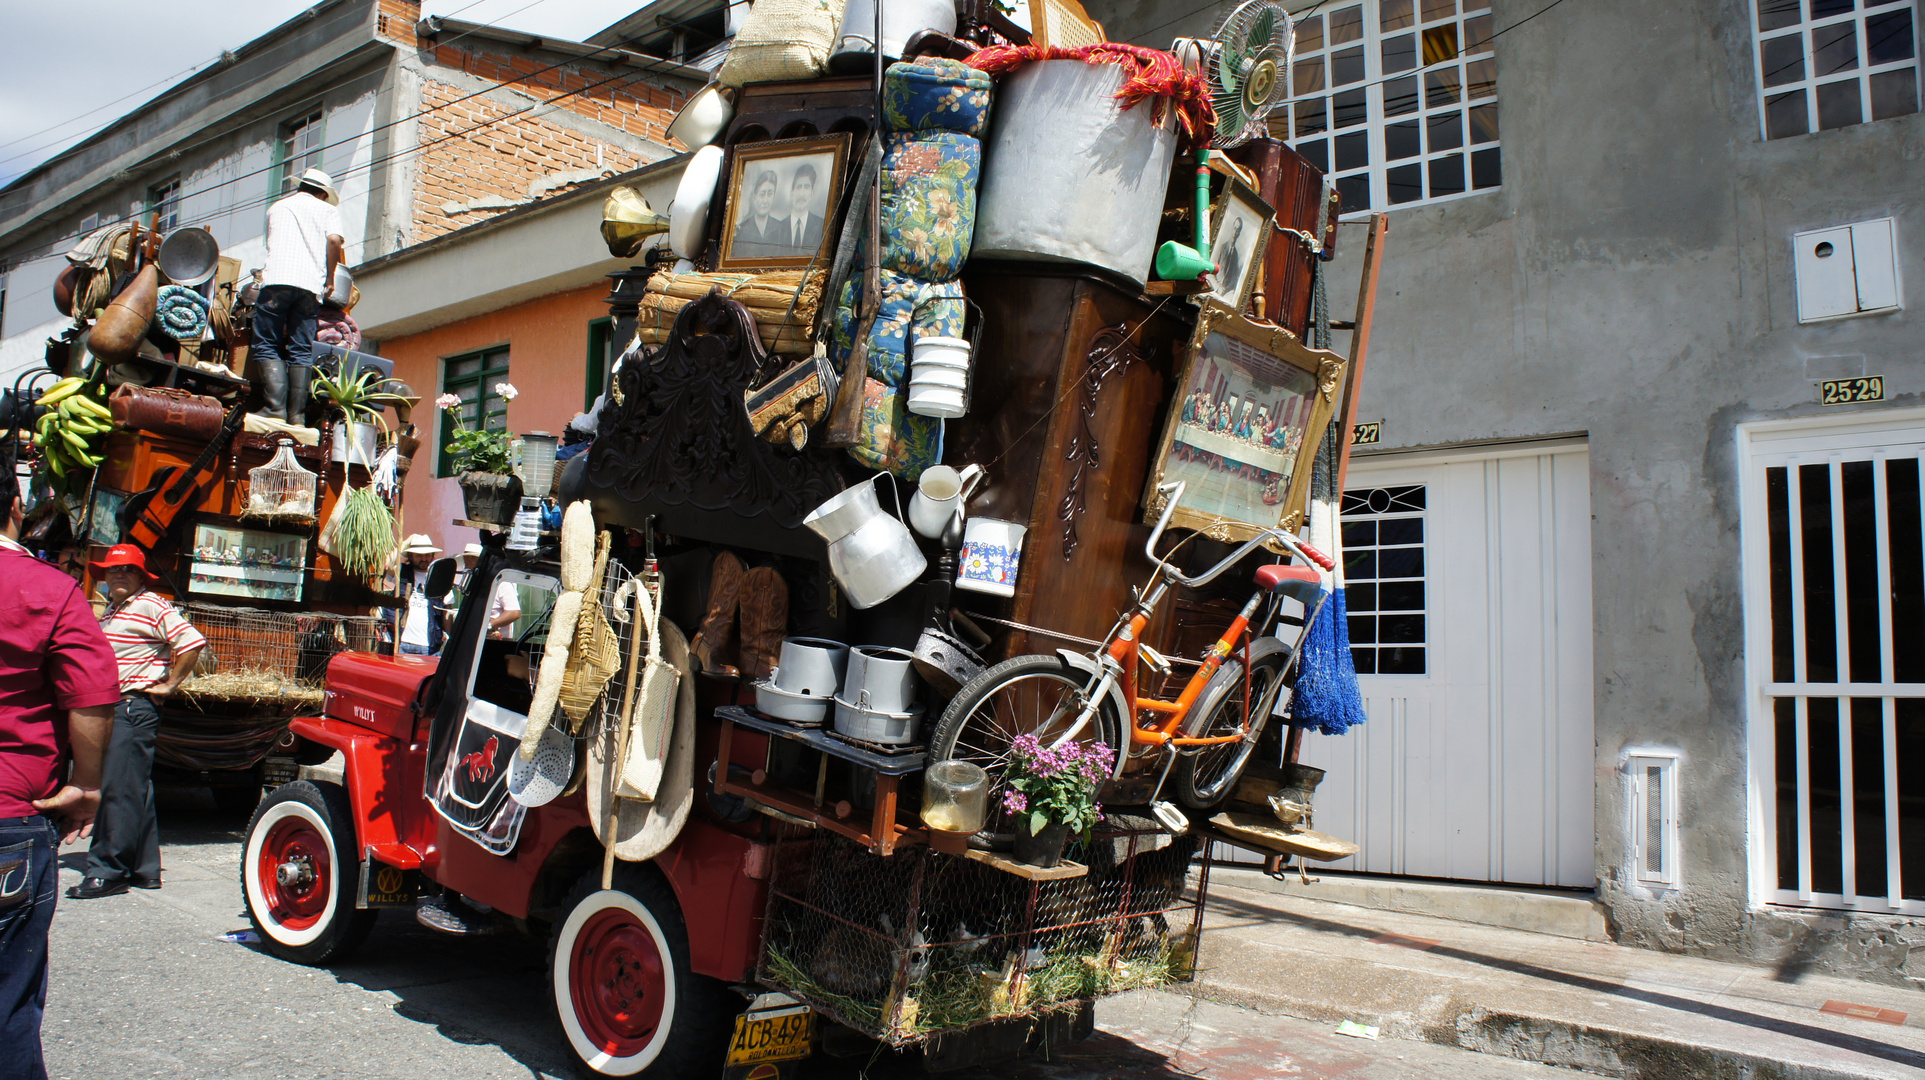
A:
x: 595, y: 657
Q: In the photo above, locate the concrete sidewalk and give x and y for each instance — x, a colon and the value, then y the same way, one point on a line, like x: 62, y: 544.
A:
x: 1587, y: 1005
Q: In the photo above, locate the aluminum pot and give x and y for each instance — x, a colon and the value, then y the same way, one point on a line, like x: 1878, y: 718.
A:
x: 189, y: 256
x: 811, y: 667
x: 872, y: 555
x: 880, y: 679
x: 1071, y: 176
x: 855, y: 49
x: 772, y: 700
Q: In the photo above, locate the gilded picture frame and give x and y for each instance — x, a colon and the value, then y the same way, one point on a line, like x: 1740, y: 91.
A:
x: 760, y: 229
x: 1241, y: 225
x: 1251, y: 407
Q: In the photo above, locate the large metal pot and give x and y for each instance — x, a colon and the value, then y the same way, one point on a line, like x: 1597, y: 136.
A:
x: 872, y: 555
x: 1071, y: 176
x: 855, y: 49
x: 189, y: 256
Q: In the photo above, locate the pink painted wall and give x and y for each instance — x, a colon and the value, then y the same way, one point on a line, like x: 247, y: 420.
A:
x: 547, y: 343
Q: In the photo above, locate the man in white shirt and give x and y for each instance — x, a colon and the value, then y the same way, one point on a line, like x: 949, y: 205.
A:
x: 421, y: 616
x: 304, y: 246
x: 504, y: 605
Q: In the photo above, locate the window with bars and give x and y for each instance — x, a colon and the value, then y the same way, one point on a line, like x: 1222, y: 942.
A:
x: 298, y: 150
x: 1384, y: 583
x: 1397, y: 100
x: 472, y: 378
x: 164, y: 198
x: 1826, y: 64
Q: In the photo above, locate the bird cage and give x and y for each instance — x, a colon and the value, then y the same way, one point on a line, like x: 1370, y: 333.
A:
x: 282, y: 489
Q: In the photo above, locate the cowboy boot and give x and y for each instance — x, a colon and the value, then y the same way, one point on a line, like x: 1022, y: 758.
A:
x: 711, y: 642
x: 765, y: 621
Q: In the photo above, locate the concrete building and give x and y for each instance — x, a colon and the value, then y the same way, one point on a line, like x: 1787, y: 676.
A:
x: 1645, y: 611
x: 426, y: 125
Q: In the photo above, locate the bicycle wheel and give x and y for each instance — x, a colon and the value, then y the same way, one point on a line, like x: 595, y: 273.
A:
x: 1205, y: 774
x: 1039, y: 695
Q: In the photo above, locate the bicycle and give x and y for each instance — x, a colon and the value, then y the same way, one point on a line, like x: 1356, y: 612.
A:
x: 1210, y: 727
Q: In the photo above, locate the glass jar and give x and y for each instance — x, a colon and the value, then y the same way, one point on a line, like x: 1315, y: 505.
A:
x: 955, y: 797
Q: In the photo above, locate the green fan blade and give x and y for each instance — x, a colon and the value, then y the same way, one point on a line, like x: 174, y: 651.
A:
x: 1260, y: 30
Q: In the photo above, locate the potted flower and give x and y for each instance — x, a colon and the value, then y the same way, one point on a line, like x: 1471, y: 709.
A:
x: 356, y: 397
x: 484, y: 459
x: 1052, y: 793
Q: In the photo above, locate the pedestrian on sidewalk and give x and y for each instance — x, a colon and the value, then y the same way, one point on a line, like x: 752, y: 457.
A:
x: 57, y: 695
x: 155, y: 647
x: 304, y: 246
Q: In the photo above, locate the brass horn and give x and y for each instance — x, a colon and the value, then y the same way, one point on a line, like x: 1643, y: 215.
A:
x: 628, y: 220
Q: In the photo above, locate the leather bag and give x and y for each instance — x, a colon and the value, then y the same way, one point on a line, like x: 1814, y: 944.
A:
x: 166, y: 412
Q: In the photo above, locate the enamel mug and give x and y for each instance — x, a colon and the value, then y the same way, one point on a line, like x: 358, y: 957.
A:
x: 991, y: 551
x: 940, y: 491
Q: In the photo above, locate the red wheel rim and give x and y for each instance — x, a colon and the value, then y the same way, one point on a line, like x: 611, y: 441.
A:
x: 296, y: 845
x: 616, y: 982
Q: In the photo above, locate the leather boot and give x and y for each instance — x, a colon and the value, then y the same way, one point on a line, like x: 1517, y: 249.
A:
x: 710, y: 649
x: 298, y: 378
x: 765, y: 621
x: 273, y: 390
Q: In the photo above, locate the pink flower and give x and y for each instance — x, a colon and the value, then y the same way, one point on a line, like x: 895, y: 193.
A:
x: 447, y: 401
x: 506, y: 390
x: 1014, y: 802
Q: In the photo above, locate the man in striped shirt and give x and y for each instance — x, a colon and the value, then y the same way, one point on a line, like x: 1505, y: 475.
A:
x: 156, y: 648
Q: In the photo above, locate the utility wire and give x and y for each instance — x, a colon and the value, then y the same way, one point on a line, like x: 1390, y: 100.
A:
x: 95, y: 109
x: 653, y: 66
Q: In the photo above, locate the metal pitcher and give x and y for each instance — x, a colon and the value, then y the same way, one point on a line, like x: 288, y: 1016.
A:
x: 872, y: 555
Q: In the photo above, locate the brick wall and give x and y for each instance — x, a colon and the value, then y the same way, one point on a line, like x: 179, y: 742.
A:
x: 498, y: 162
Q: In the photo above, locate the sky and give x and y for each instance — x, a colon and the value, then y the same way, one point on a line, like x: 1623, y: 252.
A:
x: 61, y: 82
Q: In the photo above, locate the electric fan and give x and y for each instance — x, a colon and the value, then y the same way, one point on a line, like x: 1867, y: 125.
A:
x: 1249, y: 70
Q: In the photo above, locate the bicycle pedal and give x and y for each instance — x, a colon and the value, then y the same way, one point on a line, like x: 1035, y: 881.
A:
x: 1174, y: 821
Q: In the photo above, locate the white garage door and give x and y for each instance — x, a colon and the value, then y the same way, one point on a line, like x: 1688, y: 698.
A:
x: 1469, y: 588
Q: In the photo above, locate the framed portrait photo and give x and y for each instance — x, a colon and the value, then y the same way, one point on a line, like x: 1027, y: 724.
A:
x: 782, y: 202
x: 1252, y: 404
x: 1241, y: 223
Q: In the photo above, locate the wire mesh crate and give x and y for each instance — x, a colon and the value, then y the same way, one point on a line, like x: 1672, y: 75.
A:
x: 293, y: 645
x: 922, y: 944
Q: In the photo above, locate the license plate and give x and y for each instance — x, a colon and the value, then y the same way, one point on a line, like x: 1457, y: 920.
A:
x: 772, y: 1035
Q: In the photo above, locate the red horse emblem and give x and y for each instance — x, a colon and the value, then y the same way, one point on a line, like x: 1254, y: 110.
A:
x: 481, y: 763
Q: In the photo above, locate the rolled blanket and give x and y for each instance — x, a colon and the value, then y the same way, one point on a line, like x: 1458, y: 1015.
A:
x: 935, y: 308
x: 334, y: 326
x: 935, y: 94
x: 929, y: 183
x: 181, y: 312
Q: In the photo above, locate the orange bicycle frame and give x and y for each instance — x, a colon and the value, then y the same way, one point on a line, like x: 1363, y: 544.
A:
x: 1126, y: 650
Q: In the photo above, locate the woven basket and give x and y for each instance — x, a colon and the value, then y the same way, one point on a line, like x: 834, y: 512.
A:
x: 595, y: 657
x: 782, y: 41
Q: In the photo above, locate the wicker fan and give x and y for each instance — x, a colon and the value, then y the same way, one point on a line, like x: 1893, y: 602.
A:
x: 1249, y: 70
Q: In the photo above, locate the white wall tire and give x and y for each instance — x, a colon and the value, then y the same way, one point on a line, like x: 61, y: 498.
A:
x: 299, y: 876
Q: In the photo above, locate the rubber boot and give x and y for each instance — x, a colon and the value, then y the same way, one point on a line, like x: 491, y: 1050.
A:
x: 298, y: 379
x: 711, y: 645
x: 273, y: 390
x: 765, y: 621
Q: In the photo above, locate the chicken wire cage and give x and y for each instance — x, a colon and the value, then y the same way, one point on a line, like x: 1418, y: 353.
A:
x: 282, y: 490
x: 921, y: 944
x: 280, y: 649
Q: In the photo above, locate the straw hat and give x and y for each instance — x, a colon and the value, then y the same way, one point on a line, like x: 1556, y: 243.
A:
x: 472, y: 549
x: 420, y: 544
x: 319, y: 179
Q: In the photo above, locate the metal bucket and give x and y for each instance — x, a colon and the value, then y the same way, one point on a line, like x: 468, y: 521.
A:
x: 1069, y: 175
x: 855, y: 51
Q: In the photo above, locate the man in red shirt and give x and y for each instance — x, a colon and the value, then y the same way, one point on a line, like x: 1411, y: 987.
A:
x: 155, y: 648
x: 58, y: 687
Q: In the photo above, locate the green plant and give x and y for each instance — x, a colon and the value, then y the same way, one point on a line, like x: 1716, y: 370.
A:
x: 356, y: 395
x: 486, y: 450
x: 1055, y: 785
x: 364, y: 535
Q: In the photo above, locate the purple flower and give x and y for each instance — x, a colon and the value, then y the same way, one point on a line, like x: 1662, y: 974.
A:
x: 1014, y: 802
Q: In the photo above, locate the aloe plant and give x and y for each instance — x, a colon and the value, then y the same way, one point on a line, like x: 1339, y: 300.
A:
x: 355, y: 395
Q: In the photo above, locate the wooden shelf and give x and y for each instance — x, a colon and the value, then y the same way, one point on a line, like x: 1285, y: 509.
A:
x: 1060, y: 872
x: 1175, y: 288
x: 879, y: 831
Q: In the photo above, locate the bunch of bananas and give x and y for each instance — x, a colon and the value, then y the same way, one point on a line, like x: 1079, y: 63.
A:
x: 73, y: 420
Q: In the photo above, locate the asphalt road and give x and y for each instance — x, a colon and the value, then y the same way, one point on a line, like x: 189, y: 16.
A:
x: 144, y: 985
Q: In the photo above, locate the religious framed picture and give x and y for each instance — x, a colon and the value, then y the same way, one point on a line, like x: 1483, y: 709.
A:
x: 1251, y: 407
x: 1242, y: 224
x: 782, y: 200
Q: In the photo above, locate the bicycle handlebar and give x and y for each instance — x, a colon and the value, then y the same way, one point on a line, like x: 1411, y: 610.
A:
x: 1174, y: 491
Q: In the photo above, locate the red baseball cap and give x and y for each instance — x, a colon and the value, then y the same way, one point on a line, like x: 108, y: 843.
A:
x: 123, y: 555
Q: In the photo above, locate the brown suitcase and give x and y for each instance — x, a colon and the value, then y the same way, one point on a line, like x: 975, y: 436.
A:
x: 1295, y: 188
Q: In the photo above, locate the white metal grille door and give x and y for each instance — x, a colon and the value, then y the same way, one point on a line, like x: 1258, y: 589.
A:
x: 1835, y: 555
x: 1469, y: 590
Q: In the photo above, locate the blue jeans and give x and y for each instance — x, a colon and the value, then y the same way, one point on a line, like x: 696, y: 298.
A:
x: 284, y: 321
x: 408, y: 648
x: 28, y: 877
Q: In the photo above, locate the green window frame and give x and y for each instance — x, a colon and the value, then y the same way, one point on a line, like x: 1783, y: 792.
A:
x: 472, y: 378
x: 165, y: 198
x: 601, y: 360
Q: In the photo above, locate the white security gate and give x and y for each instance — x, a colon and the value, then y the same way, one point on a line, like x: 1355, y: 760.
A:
x: 1834, y: 551
x: 1469, y: 590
